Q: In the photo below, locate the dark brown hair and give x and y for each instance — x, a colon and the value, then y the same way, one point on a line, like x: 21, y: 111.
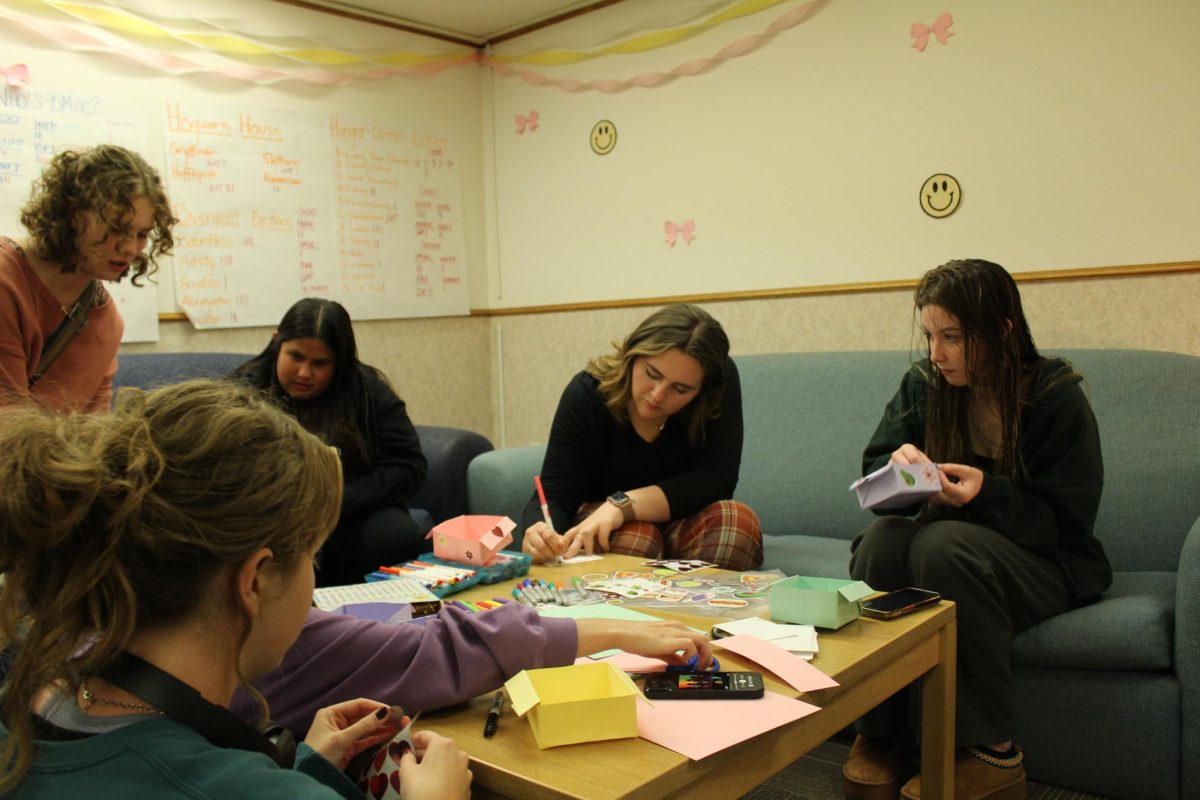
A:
x: 998, y: 350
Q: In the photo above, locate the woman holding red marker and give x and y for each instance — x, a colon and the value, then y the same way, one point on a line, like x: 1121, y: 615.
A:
x: 645, y: 449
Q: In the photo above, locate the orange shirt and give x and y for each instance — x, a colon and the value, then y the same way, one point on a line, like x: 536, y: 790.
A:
x: 80, y: 379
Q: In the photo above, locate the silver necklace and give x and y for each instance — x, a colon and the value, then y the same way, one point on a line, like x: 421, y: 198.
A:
x: 90, y: 699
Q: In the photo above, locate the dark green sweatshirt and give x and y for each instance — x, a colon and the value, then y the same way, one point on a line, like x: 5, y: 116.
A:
x: 1051, y: 508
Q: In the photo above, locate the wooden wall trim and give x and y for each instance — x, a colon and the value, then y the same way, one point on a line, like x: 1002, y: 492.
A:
x: 908, y: 284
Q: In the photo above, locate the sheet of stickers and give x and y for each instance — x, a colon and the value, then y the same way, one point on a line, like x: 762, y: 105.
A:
x: 687, y: 586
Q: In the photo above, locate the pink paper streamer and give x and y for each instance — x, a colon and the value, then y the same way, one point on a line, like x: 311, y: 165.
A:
x: 699, y: 66
x: 940, y: 29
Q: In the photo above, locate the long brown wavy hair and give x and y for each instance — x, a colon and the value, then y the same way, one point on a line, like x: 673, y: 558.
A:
x: 111, y: 525
x: 998, y: 350
x: 687, y: 327
x: 105, y: 179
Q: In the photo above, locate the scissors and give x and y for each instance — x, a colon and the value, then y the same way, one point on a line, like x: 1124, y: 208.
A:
x: 692, y: 665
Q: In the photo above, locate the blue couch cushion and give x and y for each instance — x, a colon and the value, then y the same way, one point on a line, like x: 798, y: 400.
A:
x: 1131, y: 629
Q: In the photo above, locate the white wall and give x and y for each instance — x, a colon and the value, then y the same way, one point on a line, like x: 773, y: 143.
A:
x: 1071, y: 126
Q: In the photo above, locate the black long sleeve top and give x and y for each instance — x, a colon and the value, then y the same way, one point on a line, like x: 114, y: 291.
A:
x: 590, y: 455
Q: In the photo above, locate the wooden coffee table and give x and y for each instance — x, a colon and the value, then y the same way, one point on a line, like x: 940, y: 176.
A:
x: 870, y: 659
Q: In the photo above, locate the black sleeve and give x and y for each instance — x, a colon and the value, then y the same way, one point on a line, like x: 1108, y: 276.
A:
x: 398, y: 467
x: 713, y: 472
x: 903, y: 422
x: 576, y: 435
x: 1053, y: 511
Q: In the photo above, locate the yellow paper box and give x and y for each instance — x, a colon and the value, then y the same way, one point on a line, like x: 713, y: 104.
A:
x: 581, y: 703
x: 823, y: 602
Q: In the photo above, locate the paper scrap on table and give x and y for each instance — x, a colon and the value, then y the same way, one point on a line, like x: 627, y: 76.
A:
x: 582, y: 558
x: 699, y: 728
x: 597, y: 611
x: 802, y: 676
x: 626, y: 662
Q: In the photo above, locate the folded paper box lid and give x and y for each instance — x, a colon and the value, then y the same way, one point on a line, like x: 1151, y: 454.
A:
x: 897, y: 485
x: 580, y: 703
x: 471, y: 538
x: 822, y: 602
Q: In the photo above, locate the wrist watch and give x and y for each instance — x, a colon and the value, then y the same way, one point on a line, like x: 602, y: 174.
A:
x: 623, y: 502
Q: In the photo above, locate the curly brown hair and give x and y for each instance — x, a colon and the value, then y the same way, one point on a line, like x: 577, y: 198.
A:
x: 111, y: 525
x: 104, y: 179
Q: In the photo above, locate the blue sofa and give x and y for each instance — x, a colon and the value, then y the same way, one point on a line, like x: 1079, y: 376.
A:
x: 1107, y: 696
x: 447, y: 450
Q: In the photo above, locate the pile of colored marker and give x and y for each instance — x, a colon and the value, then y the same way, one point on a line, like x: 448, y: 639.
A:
x: 438, y: 578
x: 535, y: 592
x: 475, y: 606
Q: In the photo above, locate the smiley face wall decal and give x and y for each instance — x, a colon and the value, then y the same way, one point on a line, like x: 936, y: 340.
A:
x: 940, y: 195
x: 603, y: 137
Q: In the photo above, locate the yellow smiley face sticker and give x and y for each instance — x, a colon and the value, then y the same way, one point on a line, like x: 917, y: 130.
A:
x: 603, y: 137
x: 940, y: 195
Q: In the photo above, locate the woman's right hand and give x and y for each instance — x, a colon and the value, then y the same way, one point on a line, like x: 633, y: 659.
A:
x: 909, y: 454
x: 439, y: 770
x: 542, y: 543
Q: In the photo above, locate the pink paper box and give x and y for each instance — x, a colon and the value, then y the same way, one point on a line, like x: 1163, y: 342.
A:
x: 471, y: 538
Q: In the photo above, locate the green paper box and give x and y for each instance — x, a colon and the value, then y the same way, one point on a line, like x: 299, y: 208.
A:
x: 823, y: 602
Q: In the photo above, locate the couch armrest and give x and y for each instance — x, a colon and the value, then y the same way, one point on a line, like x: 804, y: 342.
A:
x: 1187, y: 659
x: 448, y: 451
x: 501, y: 482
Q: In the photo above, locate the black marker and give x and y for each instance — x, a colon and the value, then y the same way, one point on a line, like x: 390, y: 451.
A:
x: 493, y: 717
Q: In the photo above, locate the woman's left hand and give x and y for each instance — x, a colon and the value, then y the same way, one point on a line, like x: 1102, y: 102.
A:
x: 593, y: 532
x: 970, y: 481
x: 342, y: 731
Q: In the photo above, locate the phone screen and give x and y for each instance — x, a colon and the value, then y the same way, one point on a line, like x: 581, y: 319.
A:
x: 901, y: 598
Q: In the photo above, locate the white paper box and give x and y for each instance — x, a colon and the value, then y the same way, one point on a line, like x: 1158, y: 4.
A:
x: 897, y: 485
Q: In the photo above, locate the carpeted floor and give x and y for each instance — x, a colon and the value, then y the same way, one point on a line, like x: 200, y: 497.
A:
x: 818, y: 776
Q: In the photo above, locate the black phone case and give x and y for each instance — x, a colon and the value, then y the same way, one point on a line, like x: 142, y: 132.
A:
x: 708, y: 686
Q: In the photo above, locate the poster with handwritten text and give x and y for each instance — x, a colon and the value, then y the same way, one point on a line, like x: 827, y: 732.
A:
x: 37, y: 124
x: 275, y: 205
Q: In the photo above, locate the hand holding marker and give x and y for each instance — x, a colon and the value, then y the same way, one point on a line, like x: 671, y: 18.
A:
x: 541, y: 493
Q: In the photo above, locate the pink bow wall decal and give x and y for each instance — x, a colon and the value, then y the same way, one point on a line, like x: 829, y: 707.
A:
x: 15, y: 76
x: 530, y: 122
x: 940, y: 29
x: 686, y: 231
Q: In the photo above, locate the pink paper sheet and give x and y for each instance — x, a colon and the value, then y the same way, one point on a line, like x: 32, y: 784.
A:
x: 802, y: 676
x: 699, y: 728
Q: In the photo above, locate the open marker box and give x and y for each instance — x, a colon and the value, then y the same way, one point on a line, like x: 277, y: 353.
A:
x: 580, y: 703
x: 897, y: 485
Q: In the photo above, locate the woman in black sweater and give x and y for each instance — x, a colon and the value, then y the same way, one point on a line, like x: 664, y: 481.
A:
x: 645, y: 449
x: 1009, y: 536
x: 311, y: 369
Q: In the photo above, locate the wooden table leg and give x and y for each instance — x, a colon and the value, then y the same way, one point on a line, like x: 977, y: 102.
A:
x: 937, y: 720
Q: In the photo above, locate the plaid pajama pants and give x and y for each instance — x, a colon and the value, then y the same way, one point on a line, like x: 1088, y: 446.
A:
x: 726, y: 533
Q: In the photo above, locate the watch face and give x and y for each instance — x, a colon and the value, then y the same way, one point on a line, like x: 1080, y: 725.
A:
x: 619, y: 498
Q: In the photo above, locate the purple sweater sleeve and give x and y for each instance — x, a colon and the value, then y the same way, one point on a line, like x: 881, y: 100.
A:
x: 446, y: 660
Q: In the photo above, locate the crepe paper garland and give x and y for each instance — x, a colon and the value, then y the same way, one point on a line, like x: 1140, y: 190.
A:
x: 699, y: 66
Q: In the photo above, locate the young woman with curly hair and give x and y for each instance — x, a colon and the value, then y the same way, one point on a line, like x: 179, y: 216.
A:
x: 95, y: 215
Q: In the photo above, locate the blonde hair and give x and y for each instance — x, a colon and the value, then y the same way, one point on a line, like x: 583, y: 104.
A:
x: 114, y: 524
x: 681, y: 325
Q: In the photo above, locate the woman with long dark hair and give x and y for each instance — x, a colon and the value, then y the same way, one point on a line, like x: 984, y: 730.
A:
x: 1009, y: 536
x: 311, y: 369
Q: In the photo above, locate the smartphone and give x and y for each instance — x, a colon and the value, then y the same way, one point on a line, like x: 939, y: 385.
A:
x: 705, y: 686
x: 901, y: 601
